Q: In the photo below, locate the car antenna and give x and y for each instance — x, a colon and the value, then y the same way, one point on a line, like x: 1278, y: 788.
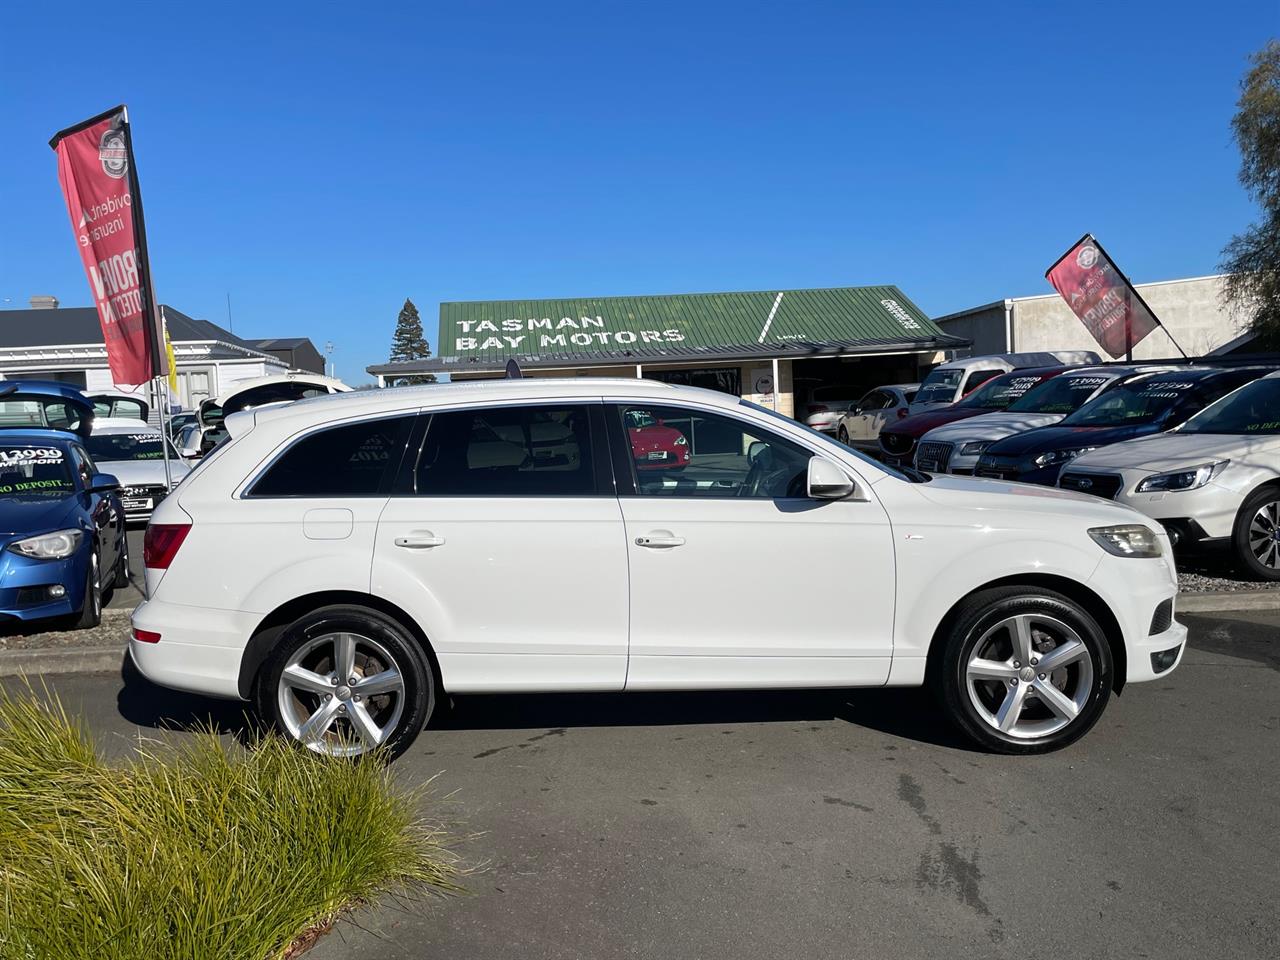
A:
x: 513, y: 370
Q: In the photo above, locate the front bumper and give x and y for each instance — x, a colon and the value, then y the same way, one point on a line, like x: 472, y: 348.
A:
x: 1134, y: 590
x: 25, y: 586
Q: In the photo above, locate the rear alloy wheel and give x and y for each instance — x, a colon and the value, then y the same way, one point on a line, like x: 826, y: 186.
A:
x: 1257, y: 534
x: 843, y: 436
x: 1025, y: 671
x: 344, y: 681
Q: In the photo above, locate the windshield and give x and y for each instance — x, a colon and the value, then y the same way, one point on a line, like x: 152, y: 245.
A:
x: 639, y: 419
x: 940, y: 386
x: 997, y: 394
x: 27, y: 472
x: 1064, y: 394
x: 1141, y: 401
x: 1253, y: 409
x: 126, y: 446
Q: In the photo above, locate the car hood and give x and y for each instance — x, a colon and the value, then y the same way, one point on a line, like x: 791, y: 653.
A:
x: 1058, y: 437
x: 138, y: 473
x: 36, y: 515
x: 1001, y: 496
x: 993, y: 426
x: 918, y: 424
x: 1172, y: 451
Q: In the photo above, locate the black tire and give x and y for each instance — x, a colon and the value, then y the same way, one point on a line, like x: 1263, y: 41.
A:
x: 91, y: 611
x: 121, y: 578
x: 373, y: 630
x: 843, y: 436
x: 1086, y: 683
x: 1264, y: 506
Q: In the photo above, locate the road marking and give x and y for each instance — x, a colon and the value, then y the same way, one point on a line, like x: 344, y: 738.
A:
x: 763, y: 333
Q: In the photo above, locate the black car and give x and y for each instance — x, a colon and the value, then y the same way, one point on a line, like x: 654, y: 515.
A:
x: 1145, y: 405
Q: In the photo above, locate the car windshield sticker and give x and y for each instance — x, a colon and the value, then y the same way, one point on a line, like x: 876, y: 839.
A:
x: 12, y: 458
x: 1085, y: 383
x: 1165, y: 389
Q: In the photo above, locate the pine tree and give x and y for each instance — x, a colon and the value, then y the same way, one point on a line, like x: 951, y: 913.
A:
x: 1252, y: 258
x: 408, y: 343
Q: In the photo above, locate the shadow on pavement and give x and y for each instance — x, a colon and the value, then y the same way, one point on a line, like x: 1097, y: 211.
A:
x: 907, y: 713
x: 142, y: 702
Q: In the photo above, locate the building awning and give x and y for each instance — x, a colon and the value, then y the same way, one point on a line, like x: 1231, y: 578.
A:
x: 480, y: 337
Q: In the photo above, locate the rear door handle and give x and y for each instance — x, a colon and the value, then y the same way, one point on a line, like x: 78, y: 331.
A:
x: 419, y: 541
x: 659, y: 541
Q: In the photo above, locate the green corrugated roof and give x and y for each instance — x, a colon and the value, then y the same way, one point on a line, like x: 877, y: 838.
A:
x: 492, y: 331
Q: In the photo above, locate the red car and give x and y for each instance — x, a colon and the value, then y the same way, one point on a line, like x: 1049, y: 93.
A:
x: 654, y: 445
x: 898, y: 440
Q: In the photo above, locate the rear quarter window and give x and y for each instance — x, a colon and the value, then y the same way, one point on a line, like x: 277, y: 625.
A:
x: 353, y: 460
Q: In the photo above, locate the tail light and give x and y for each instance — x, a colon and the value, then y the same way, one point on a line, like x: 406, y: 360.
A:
x: 161, y: 542
x: 146, y: 636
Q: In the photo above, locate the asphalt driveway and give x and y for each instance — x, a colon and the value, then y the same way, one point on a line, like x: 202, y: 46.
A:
x: 814, y: 825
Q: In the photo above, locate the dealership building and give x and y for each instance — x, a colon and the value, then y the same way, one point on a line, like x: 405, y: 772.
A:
x: 49, y: 342
x: 1192, y: 310
x: 774, y: 347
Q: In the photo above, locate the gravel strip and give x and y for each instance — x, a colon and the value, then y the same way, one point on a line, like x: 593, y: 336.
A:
x: 112, y: 632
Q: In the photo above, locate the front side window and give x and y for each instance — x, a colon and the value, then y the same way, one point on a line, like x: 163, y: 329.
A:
x: 353, y: 460
x: 31, y: 471
x: 538, y: 451
x: 683, y: 452
x: 979, y: 377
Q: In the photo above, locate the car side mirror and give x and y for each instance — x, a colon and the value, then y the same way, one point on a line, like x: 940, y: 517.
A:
x: 189, y: 453
x: 855, y: 410
x: 826, y: 481
x: 103, y: 483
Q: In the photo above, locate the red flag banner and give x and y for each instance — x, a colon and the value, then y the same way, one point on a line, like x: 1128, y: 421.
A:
x: 1101, y: 297
x: 99, y: 184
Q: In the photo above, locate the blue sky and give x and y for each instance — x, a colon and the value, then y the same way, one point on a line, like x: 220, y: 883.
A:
x: 322, y: 162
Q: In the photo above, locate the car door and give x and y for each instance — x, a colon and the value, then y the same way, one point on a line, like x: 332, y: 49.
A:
x: 737, y: 578
x: 874, y: 415
x: 108, y: 521
x: 506, y: 545
x: 857, y: 423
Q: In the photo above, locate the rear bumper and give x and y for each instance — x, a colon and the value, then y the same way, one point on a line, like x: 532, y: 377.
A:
x: 199, y: 649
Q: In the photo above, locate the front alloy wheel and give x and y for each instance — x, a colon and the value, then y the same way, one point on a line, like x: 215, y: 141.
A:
x: 1257, y: 534
x: 345, y: 681
x: 1023, y: 670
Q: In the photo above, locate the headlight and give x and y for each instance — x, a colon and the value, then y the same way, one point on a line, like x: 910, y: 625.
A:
x: 975, y: 448
x: 49, y: 546
x: 1060, y: 456
x: 1187, y: 479
x: 680, y: 441
x: 1127, y: 540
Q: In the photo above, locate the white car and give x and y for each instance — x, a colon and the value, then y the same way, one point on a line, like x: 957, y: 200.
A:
x: 246, y: 394
x: 346, y: 562
x: 134, y: 453
x: 956, y: 447
x: 1213, y: 480
x: 861, y: 426
x: 825, y: 407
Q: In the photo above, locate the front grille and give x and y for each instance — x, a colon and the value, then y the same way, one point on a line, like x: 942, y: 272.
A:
x: 934, y: 456
x: 1162, y: 619
x: 896, y: 443
x: 1105, y: 485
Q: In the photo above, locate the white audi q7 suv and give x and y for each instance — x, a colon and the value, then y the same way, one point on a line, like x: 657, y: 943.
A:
x: 346, y: 562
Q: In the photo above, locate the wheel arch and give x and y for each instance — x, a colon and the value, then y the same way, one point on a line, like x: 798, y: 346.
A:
x: 268, y: 631
x: 1072, y: 589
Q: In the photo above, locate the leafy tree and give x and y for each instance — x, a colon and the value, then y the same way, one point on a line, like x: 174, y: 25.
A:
x: 408, y: 343
x: 1252, y: 258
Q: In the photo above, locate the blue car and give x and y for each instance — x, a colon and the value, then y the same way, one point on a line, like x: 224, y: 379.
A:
x: 62, y: 527
x: 1145, y: 405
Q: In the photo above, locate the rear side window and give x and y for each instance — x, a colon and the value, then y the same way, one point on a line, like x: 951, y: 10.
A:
x: 354, y: 460
x: 540, y: 451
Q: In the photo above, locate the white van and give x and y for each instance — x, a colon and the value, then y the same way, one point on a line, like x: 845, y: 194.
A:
x: 948, y: 382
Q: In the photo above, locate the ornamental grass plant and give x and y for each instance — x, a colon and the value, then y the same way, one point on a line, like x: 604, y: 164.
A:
x: 194, y: 849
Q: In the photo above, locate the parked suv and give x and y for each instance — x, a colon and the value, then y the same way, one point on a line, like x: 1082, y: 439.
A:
x: 347, y: 561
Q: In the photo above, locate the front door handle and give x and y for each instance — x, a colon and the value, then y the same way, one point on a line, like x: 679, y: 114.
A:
x: 659, y: 541
x: 419, y: 541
